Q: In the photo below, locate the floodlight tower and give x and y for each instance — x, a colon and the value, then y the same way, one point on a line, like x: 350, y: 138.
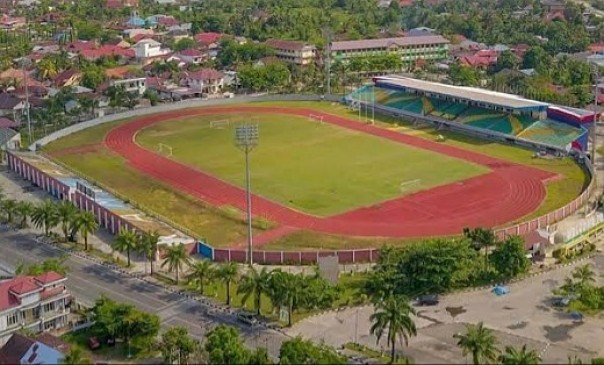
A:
x: 246, y: 138
x: 595, y: 121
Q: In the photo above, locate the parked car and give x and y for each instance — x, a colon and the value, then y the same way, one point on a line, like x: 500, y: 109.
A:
x: 93, y: 343
x: 562, y: 302
x: 431, y: 299
x: 247, y: 318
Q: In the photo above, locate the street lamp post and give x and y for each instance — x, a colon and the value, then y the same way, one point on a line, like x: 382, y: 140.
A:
x: 25, y: 62
x: 246, y: 138
x: 594, y: 127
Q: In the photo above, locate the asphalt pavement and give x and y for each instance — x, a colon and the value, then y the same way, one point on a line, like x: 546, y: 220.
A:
x: 87, y: 280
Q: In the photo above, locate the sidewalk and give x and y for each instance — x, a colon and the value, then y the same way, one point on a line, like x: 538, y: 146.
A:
x: 13, y: 188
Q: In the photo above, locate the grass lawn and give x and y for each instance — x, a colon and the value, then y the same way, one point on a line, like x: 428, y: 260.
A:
x: 119, y: 352
x: 319, y: 169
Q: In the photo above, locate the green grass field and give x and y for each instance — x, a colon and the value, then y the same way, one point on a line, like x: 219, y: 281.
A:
x: 320, y: 169
x: 222, y: 227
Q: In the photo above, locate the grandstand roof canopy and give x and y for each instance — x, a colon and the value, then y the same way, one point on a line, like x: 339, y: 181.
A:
x: 463, y: 92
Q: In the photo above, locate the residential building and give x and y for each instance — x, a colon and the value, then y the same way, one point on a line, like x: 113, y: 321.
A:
x: 207, y: 81
x: 136, y: 85
x: 191, y: 56
x: 410, y: 49
x: 148, y: 48
x: 69, y: 77
x: 11, y: 106
x: 44, y: 349
x: 36, y: 303
x: 296, y: 52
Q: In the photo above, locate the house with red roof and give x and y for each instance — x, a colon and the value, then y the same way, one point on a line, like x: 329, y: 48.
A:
x: 206, y: 81
x: 191, y: 56
x: 208, y: 38
x: 35, y: 303
x: 44, y: 349
x: 481, y: 59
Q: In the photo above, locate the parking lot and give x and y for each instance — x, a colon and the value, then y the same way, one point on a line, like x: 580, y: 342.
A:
x: 523, y: 316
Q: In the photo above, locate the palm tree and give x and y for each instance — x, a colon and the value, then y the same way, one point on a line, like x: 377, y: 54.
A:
x: 479, y: 341
x: 125, y: 242
x: 45, y: 216
x: 201, y: 273
x: 75, y: 357
x: 176, y: 258
x: 227, y: 273
x: 584, y: 275
x: 87, y: 224
x: 256, y: 283
x: 66, y: 211
x: 293, y: 290
x: 23, y: 210
x: 8, y: 207
x: 393, y: 315
x: 147, y: 246
x: 481, y: 238
x: 513, y: 356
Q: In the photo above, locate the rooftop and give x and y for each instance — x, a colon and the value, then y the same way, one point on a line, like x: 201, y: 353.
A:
x: 288, y: 45
x: 21, y: 285
x: 388, y: 42
x: 471, y: 93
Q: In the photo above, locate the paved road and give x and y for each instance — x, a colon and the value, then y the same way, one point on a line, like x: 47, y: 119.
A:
x: 88, y: 280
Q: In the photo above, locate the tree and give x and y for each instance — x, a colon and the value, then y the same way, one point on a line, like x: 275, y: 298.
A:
x: 481, y: 238
x: 507, y: 59
x: 47, y: 68
x: 254, y: 283
x: 66, y: 211
x: 76, y: 357
x: 45, y: 216
x: 55, y: 264
x: 147, y: 246
x: 259, y: 357
x: 509, y: 258
x: 175, y: 259
x: 299, y: 351
x: 177, y: 344
x: 87, y: 225
x: 584, y: 275
x: 224, y: 346
x: 478, y: 341
x: 184, y: 43
x: 393, y: 315
x: 286, y: 289
x: 23, y: 210
x: 8, y: 207
x: 228, y: 273
x: 513, y: 356
x: 202, y: 272
x: 125, y: 242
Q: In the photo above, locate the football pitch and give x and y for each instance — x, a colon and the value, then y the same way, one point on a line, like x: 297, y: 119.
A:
x: 317, y: 168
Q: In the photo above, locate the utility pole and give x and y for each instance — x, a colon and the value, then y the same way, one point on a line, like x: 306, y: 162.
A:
x: 595, y: 121
x: 29, y: 136
x: 327, y: 35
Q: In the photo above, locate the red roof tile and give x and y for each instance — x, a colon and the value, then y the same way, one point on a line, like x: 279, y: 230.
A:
x: 287, y: 45
x: 23, y: 285
x: 204, y: 74
x: 190, y: 52
x: 49, y: 277
x: 7, y: 123
x: 208, y: 38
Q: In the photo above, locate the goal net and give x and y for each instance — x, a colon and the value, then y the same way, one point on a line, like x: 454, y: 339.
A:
x: 410, y: 185
x: 164, y: 149
x: 219, y: 124
x: 315, y: 118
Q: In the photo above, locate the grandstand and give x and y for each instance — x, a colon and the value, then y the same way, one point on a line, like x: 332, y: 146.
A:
x: 493, y: 114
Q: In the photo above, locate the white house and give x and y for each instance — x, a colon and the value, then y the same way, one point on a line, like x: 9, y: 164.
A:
x: 137, y: 85
x: 207, y: 81
x: 191, y: 56
x: 148, y: 48
x: 35, y: 303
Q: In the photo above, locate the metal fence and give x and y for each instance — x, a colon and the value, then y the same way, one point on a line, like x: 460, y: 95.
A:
x: 306, y: 256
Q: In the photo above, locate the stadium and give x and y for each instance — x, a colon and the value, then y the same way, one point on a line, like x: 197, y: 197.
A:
x: 397, y: 160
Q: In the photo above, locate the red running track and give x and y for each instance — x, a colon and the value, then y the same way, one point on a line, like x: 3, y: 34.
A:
x: 510, y: 191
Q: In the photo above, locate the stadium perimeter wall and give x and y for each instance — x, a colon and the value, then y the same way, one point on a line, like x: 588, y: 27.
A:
x: 54, y: 186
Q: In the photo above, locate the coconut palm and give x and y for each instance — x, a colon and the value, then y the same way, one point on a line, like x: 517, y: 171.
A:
x: 256, y: 283
x: 176, y: 258
x: 481, y: 238
x: 125, y: 241
x: 584, y: 275
x: 45, y: 216
x: 522, y: 356
x: 393, y: 315
x: 201, y: 274
x: 87, y: 225
x: 147, y: 246
x: 227, y: 273
x: 8, y: 207
x: 23, y: 211
x: 478, y: 341
x: 287, y: 289
x: 66, y: 212
x: 75, y: 357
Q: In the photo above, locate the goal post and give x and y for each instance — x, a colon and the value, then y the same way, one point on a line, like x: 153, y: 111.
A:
x: 220, y: 124
x: 409, y: 185
x: 164, y: 149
